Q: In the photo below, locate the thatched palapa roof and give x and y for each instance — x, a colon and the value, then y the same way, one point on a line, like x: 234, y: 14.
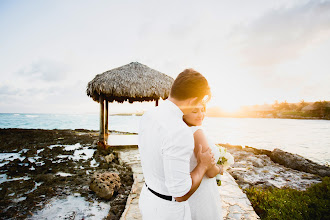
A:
x: 131, y: 82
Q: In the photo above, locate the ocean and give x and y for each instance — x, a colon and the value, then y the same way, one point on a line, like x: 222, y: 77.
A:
x: 308, y: 138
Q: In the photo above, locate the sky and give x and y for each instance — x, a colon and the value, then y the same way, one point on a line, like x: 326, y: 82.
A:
x: 251, y: 52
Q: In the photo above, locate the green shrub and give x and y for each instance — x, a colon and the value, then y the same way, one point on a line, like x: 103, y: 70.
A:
x: 273, y: 203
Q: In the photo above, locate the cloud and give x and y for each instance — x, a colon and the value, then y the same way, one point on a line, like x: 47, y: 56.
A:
x: 282, y: 34
x: 47, y: 98
x: 6, y: 90
x: 45, y: 70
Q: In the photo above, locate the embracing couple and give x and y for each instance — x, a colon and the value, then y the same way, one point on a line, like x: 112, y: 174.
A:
x: 178, y: 161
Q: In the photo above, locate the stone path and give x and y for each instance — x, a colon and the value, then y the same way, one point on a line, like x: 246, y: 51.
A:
x: 235, y: 204
x: 122, y: 140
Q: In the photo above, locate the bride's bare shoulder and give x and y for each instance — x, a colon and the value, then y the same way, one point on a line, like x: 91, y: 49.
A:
x: 200, y: 138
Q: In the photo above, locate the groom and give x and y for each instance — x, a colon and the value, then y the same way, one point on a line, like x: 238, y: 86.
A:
x: 166, y: 145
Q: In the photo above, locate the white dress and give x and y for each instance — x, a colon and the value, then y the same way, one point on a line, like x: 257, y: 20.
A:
x: 205, y: 203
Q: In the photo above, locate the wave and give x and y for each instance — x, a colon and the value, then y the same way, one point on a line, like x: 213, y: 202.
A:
x: 31, y: 116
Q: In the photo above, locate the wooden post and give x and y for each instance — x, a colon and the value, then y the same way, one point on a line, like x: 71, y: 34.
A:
x: 106, y: 115
x: 101, y: 138
x: 157, y: 102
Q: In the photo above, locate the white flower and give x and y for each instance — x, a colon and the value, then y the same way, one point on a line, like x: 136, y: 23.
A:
x: 230, y: 160
x: 225, y: 159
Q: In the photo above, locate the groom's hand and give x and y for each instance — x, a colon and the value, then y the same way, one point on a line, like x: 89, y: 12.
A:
x: 206, y: 158
x: 205, y: 161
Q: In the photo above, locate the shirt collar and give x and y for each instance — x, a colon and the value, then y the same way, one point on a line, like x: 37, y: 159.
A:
x: 174, y: 108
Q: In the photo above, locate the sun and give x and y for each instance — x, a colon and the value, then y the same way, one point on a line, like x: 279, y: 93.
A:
x: 226, y: 104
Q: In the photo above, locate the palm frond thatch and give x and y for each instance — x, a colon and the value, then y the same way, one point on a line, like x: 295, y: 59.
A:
x: 131, y: 82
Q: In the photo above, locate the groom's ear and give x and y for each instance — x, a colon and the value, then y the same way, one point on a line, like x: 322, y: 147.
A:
x: 193, y: 101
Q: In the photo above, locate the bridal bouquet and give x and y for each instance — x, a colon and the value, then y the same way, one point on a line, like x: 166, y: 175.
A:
x: 225, y: 159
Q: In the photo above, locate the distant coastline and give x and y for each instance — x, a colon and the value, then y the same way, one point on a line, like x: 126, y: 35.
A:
x: 304, y: 110
x: 276, y: 117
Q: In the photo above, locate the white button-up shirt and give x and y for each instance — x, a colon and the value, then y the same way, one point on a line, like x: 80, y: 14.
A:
x: 166, y: 145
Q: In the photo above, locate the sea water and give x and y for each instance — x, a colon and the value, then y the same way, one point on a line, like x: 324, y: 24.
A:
x: 308, y: 138
x: 67, y: 121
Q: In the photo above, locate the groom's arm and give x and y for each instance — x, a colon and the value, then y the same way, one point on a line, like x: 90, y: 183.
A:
x: 176, y: 153
x: 206, y: 160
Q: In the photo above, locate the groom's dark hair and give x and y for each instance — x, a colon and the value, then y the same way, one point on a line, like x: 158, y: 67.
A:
x: 190, y: 84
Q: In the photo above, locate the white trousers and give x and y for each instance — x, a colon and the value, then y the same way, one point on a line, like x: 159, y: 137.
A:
x: 152, y: 207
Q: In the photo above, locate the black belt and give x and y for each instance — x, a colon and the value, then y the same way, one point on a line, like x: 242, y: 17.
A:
x: 169, y: 198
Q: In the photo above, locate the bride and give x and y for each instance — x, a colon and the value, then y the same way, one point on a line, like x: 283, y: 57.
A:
x: 205, y: 203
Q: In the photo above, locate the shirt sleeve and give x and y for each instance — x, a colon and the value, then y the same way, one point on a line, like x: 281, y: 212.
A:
x: 177, y: 152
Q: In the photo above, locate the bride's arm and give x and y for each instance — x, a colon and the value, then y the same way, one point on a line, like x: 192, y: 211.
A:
x: 200, y: 138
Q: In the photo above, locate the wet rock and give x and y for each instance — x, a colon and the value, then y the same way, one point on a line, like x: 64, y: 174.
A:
x: 46, y: 178
x: 109, y: 158
x: 300, y: 163
x: 105, y: 184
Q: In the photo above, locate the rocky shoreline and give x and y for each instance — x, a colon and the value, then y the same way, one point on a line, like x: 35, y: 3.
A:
x: 277, y: 168
x: 38, y: 167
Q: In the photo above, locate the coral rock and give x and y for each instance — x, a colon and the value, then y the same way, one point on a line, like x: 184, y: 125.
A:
x: 105, y: 184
